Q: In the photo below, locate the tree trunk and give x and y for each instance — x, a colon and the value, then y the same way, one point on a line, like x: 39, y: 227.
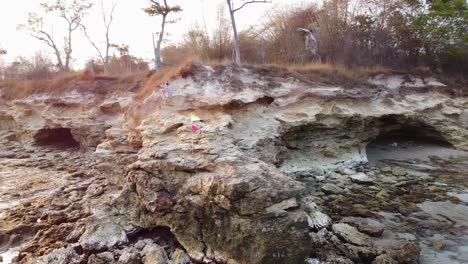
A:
x: 157, y: 49
x: 68, y: 50
x: 59, y: 59
x: 106, y: 60
x: 234, y: 30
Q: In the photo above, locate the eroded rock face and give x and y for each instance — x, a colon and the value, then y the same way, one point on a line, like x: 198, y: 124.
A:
x: 265, y: 177
x: 236, y: 177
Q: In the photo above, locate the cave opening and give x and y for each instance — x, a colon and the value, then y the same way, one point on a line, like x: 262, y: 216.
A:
x: 56, y: 138
x: 407, y: 140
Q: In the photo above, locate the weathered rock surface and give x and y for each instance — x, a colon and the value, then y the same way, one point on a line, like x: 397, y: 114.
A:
x: 276, y: 163
x: 102, y: 234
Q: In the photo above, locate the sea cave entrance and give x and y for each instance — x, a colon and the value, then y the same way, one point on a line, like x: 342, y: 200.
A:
x: 404, y: 140
x: 56, y: 138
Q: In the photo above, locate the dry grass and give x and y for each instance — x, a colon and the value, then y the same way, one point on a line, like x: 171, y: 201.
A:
x: 185, y: 69
x: 14, y: 89
x: 323, y: 73
x: 17, y: 89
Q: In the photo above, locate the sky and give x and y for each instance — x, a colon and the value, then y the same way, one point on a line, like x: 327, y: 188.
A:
x: 131, y: 25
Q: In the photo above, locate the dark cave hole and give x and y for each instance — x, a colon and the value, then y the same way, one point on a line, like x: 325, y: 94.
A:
x: 55, y: 137
x: 406, y: 141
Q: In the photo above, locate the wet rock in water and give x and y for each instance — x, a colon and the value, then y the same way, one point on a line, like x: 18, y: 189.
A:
x: 102, y: 234
x: 408, y: 208
x: 399, y: 171
x: 438, y: 244
x: 409, y: 253
x: 362, y: 222
x: 361, y: 178
x: 386, y: 169
x: 154, y: 254
x: 331, y: 188
x: 384, y: 259
x: 360, y: 253
x: 179, y: 257
x: 437, y: 189
x: 361, y: 210
x: 374, y: 231
x: 351, y: 235
x: 60, y: 256
x: 347, y: 171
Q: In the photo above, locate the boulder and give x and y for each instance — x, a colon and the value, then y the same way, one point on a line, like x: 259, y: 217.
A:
x: 180, y: 257
x: 330, y: 188
x: 399, y: 171
x: 154, y: 254
x: 361, y: 178
x: 409, y: 253
x: 351, y: 234
x: 60, y: 256
x: 102, y: 234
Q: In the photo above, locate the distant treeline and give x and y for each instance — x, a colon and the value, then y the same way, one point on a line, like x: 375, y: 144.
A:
x: 400, y: 34
x: 396, y: 34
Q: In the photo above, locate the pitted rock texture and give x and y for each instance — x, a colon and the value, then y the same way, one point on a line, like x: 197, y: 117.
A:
x: 276, y: 162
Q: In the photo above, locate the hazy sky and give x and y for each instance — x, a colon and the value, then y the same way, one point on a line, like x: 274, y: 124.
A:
x: 131, y: 25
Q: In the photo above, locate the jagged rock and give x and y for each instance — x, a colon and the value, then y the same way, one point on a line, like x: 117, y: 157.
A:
x: 76, y: 233
x: 140, y: 244
x: 232, y: 190
x: 7, y: 155
x: 351, y: 234
x: 383, y: 195
x: 438, y: 244
x: 280, y: 208
x: 101, y: 258
x: 384, y: 259
x: 129, y: 256
x: 409, y: 253
x: 374, y: 231
x: 110, y: 107
x: 60, y: 256
x: 312, y: 261
x: 319, y: 220
x: 330, y: 188
x: 399, y: 171
x: 154, y: 254
x: 361, y: 178
x: 347, y: 171
x: 102, y: 234
x: 95, y: 190
x: 386, y: 169
x: 179, y: 257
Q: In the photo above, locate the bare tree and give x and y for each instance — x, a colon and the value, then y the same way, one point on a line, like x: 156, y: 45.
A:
x: 163, y: 10
x: 3, y: 51
x: 72, y: 13
x: 232, y: 11
x: 107, y: 20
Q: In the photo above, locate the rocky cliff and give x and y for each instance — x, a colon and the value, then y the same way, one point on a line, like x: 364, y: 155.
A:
x: 246, y: 165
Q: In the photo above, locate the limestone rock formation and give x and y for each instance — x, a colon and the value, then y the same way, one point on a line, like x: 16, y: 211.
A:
x: 264, y: 175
